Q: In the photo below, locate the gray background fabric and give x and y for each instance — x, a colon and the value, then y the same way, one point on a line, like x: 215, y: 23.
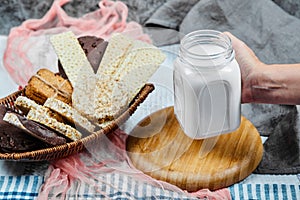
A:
x: 270, y: 31
x: 270, y: 28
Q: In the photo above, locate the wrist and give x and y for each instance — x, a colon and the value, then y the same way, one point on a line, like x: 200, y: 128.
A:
x: 253, y: 81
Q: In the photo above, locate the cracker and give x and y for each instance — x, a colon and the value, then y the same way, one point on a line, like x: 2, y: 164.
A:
x: 69, y: 113
x: 71, y: 55
x: 25, y: 105
x: 107, y: 97
x: 138, y: 64
x: 34, y: 129
x: 85, y: 98
x: 45, y: 84
x: 43, y: 118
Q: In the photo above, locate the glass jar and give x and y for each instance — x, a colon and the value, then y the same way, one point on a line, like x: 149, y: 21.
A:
x: 207, y: 85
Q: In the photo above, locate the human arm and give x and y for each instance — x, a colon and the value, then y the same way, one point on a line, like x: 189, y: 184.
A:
x: 266, y: 83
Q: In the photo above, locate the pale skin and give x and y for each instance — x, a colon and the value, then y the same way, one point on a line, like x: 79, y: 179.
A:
x: 266, y: 83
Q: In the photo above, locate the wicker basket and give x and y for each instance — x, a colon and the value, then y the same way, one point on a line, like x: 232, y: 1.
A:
x: 76, y: 146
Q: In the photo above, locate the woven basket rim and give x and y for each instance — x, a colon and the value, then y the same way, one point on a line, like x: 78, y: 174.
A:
x: 51, y: 153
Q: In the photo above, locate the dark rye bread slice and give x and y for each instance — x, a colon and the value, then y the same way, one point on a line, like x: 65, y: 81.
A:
x: 93, y: 48
x: 13, y: 139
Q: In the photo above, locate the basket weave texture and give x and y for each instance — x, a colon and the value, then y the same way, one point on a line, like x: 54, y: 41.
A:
x: 76, y: 146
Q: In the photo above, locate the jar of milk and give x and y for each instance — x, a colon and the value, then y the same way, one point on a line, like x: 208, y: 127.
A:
x: 207, y: 85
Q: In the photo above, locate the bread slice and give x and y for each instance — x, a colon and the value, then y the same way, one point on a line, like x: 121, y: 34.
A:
x: 108, y: 99
x: 78, y: 70
x: 71, y: 56
x: 41, y: 117
x: 119, y: 82
x: 47, y: 117
x: 25, y: 104
x: 46, y: 84
x: 69, y: 113
x: 139, y: 65
x: 34, y: 129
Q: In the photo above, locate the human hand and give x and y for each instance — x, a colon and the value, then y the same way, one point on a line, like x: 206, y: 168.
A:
x: 250, y: 67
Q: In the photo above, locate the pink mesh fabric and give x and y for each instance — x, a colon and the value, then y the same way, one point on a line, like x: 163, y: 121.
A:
x: 28, y: 48
x: 108, y: 164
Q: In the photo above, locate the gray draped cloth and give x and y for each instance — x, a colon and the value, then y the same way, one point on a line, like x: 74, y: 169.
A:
x: 273, y: 34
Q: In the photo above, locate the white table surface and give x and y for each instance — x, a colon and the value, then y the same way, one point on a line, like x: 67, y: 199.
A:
x: 7, y: 85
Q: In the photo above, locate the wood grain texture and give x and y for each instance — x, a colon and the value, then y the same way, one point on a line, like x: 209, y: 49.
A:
x: 158, y: 147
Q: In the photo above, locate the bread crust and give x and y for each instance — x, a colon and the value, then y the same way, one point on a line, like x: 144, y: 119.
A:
x: 46, y: 84
x: 69, y: 113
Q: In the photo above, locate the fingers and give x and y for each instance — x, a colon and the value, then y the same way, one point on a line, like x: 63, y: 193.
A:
x: 244, y: 54
x: 238, y: 45
x: 248, y: 63
x: 234, y: 40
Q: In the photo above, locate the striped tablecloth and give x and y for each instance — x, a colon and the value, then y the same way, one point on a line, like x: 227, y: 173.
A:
x: 20, y: 187
x: 271, y: 187
x: 27, y: 187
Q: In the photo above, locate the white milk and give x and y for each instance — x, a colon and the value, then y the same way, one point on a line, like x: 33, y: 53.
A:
x: 207, y: 85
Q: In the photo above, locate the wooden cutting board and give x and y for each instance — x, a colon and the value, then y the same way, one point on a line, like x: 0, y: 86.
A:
x: 158, y: 147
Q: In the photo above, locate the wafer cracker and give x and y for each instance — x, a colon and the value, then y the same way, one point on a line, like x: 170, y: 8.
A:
x: 84, y: 94
x: 114, y: 54
x: 34, y: 129
x: 84, y: 99
x: 78, y: 70
x: 25, y: 105
x: 43, y: 118
x: 106, y: 100
x: 136, y: 66
x: 69, y: 113
x: 71, y: 55
x: 139, y: 65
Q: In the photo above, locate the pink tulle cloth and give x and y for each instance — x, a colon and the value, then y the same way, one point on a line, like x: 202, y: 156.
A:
x: 67, y: 176
x: 28, y: 49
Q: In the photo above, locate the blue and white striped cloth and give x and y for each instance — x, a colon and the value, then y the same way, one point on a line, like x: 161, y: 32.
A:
x: 27, y: 187
x: 20, y: 187
x: 265, y: 191
x: 120, y: 186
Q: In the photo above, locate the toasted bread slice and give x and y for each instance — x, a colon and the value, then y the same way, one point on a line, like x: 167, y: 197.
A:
x: 25, y: 104
x: 46, y: 84
x: 69, y: 113
x: 41, y: 117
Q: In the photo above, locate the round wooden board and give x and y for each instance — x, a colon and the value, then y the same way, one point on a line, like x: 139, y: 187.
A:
x: 158, y: 147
